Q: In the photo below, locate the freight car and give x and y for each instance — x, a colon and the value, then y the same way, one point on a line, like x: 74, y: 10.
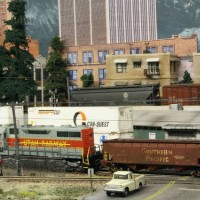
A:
x: 74, y: 145
x: 152, y: 154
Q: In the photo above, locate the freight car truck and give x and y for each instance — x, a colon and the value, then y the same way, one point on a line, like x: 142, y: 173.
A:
x: 124, y: 182
x: 107, y: 122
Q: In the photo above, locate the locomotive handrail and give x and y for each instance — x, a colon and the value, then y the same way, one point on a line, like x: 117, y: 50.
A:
x: 86, y: 161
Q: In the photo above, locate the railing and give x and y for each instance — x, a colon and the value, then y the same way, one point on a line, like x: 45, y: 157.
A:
x: 152, y: 71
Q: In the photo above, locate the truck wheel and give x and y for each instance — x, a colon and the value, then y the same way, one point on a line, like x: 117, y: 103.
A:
x: 140, y: 186
x: 108, y: 193
x: 126, y: 192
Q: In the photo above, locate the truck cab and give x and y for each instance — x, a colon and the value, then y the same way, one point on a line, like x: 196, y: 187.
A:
x: 124, y: 182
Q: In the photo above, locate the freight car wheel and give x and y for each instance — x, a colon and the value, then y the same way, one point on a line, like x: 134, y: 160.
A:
x: 195, y: 173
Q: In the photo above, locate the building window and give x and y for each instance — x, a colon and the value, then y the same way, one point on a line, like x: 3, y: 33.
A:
x: 135, y: 51
x: 87, y: 57
x: 72, y: 58
x: 137, y: 64
x: 102, y: 56
x: 152, y: 49
x: 121, y: 67
x: 87, y: 71
x: 119, y: 51
x: 72, y: 75
x: 169, y: 49
x: 102, y: 74
x: 153, y: 67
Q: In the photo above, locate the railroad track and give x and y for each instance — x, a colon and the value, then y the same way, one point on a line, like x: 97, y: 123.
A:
x: 51, y: 179
x: 149, y: 179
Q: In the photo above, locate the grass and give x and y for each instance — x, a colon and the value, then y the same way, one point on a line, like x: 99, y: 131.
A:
x: 71, y: 193
x: 27, y: 195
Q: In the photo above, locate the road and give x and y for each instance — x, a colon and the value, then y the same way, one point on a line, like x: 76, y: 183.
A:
x: 168, y: 191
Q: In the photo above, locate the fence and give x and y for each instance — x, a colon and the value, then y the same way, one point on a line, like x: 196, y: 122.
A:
x: 33, y: 167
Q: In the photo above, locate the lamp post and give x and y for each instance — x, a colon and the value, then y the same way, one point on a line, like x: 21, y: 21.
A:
x: 40, y: 64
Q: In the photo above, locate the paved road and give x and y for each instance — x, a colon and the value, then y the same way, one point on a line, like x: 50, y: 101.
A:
x: 168, y: 191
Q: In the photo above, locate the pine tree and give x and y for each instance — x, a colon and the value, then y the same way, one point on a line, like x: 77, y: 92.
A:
x: 56, y: 80
x: 186, y: 78
x: 88, y: 80
x: 16, y: 62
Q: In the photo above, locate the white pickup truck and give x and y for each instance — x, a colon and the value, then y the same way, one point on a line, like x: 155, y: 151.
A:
x: 124, y: 182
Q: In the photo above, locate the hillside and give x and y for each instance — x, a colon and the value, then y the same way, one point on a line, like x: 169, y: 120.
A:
x: 42, y: 21
x: 178, y: 17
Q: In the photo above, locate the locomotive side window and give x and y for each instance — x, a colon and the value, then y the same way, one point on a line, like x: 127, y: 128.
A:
x: 11, y: 130
x: 75, y: 134
x: 68, y: 134
x: 44, y: 132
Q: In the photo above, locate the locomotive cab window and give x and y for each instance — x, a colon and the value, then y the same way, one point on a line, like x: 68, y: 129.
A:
x: 68, y: 134
x: 12, y: 132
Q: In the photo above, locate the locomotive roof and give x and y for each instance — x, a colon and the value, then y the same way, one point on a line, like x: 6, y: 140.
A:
x: 50, y: 127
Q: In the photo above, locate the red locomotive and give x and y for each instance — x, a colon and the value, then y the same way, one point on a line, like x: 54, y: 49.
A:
x: 152, y: 154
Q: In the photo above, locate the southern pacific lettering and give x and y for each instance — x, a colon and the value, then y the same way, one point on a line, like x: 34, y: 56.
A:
x: 157, y: 151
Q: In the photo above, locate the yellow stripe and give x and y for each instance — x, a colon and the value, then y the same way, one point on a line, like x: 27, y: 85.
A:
x: 169, y: 185
x: 29, y: 143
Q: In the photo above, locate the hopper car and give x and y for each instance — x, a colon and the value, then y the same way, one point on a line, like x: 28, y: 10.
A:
x: 151, y: 155
x: 74, y: 145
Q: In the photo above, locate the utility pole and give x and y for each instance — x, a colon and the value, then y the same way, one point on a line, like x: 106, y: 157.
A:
x: 18, y: 170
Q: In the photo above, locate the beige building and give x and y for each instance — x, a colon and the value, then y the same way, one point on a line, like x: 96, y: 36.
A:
x: 142, y: 69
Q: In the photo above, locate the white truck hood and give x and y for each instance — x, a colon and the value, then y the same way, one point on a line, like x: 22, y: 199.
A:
x: 117, y: 182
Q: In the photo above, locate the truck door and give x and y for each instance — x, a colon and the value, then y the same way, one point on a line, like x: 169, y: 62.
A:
x: 132, y: 182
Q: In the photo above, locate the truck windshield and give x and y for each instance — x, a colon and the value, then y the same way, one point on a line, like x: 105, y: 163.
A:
x: 118, y: 176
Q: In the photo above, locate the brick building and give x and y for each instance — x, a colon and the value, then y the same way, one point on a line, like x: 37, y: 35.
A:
x: 92, y: 58
x: 94, y: 30
x: 97, y: 22
x: 6, y: 15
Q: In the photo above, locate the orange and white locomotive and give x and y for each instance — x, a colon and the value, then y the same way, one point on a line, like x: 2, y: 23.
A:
x: 75, y: 145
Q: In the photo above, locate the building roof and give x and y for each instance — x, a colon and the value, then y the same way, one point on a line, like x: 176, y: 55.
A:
x: 167, y: 119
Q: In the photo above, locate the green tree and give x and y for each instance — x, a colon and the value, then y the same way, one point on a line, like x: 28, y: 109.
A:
x: 186, y: 78
x: 88, y: 80
x: 56, y: 80
x: 16, y: 68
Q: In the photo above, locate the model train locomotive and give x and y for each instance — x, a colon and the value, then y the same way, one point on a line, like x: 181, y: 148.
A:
x: 152, y: 154
x: 75, y: 145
